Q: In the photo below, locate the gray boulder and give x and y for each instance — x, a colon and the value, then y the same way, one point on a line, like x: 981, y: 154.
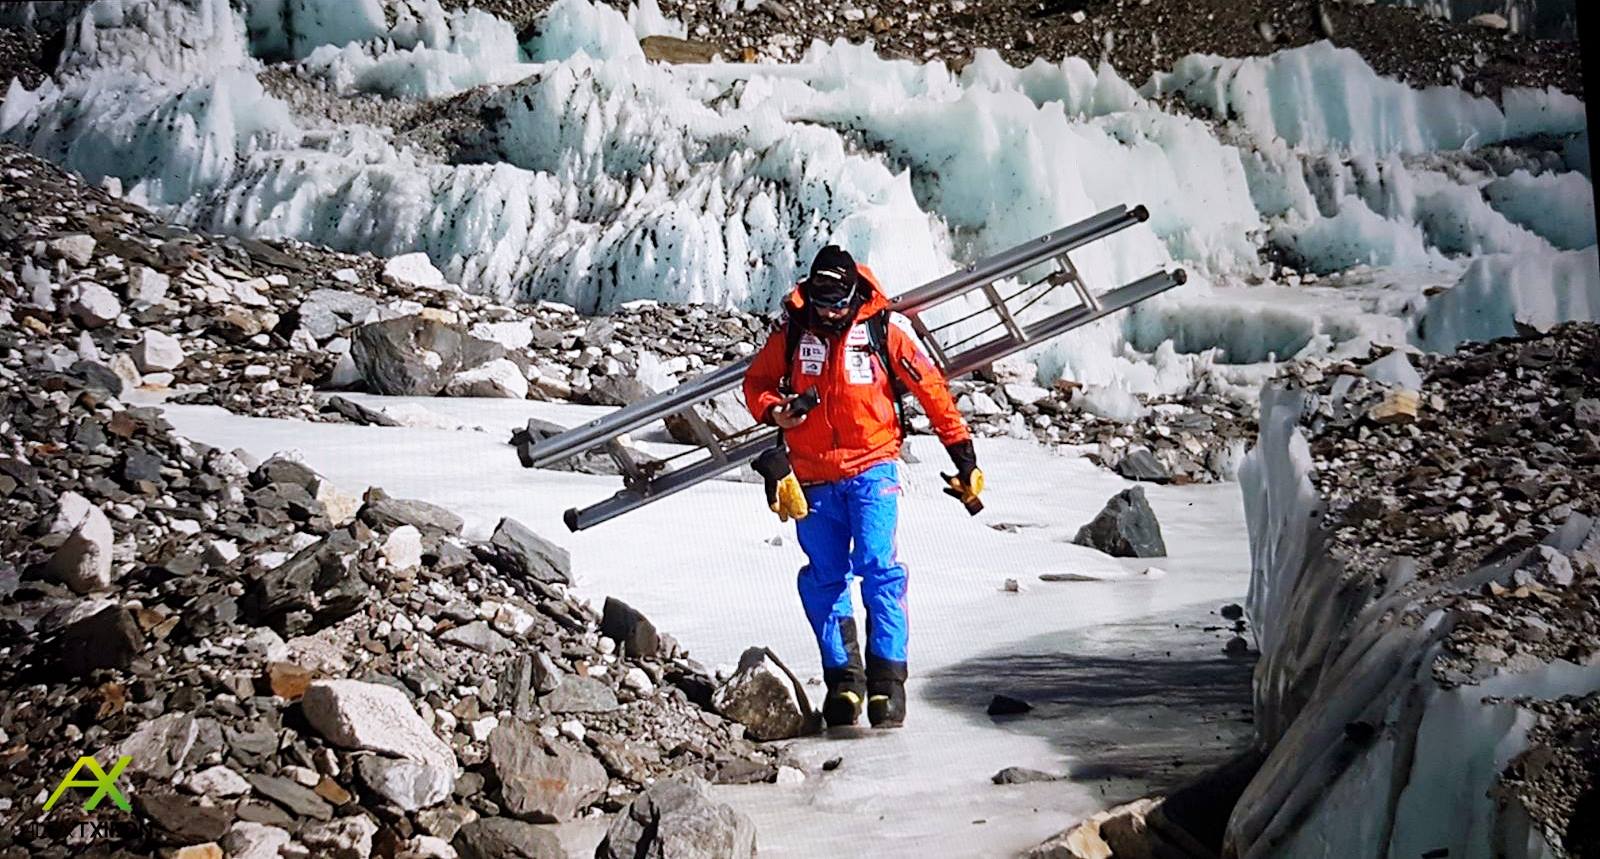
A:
x: 325, y: 311
x: 517, y: 551
x: 1140, y: 464
x: 409, y: 356
x: 505, y: 838
x: 1126, y: 528
x: 765, y: 697
x: 386, y: 514
x: 543, y: 780
x: 677, y: 817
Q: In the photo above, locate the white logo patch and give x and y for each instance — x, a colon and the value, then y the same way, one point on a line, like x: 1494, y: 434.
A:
x: 812, y: 353
x: 858, y: 366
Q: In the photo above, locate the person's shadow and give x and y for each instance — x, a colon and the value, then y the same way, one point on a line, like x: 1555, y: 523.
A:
x: 1139, y: 706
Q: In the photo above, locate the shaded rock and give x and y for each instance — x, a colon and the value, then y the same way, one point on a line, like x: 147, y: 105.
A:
x: 505, y: 838
x: 385, y: 513
x: 296, y: 798
x: 183, y: 819
x: 353, y: 714
x: 1140, y: 464
x: 677, y: 817
x: 409, y: 356
x: 624, y: 624
x: 109, y: 638
x: 543, y: 780
x: 1005, y: 705
x: 765, y: 697
x: 517, y: 551
x: 1126, y: 528
x: 358, y: 414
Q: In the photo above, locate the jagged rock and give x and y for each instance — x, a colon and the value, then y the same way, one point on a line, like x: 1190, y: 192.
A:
x: 352, y: 714
x: 764, y: 696
x: 83, y: 560
x: 408, y: 785
x: 345, y: 838
x: 624, y: 624
x: 519, y: 552
x: 109, y: 638
x: 512, y: 336
x: 181, y: 818
x: 94, y: 306
x: 409, y: 356
x: 414, y: 270
x: 542, y: 780
x: 325, y: 312
x: 77, y: 249
x: 505, y: 838
x: 385, y: 513
x: 360, y: 414
x: 426, y: 847
x: 477, y: 635
x: 217, y: 782
x: 157, y: 353
x: 1126, y: 528
x: 499, y: 378
x: 580, y: 695
x: 1140, y: 464
x: 147, y: 287
x: 296, y: 798
x: 677, y: 817
x: 163, y: 746
x: 247, y: 840
x: 316, y: 587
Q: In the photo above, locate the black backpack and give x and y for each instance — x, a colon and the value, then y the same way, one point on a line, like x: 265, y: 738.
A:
x: 878, y: 339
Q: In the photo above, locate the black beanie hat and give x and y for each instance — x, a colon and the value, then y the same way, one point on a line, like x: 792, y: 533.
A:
x: 833, y: 275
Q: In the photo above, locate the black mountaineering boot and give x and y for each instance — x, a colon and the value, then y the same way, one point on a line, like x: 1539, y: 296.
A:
x: 886, y: 693
x: 847, y: 685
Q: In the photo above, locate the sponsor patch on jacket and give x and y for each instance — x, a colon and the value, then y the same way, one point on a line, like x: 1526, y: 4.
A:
x: 858, y: 366
x: 811, y: 354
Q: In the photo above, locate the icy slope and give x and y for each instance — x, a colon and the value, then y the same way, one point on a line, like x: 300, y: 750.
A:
x: 597, y: 177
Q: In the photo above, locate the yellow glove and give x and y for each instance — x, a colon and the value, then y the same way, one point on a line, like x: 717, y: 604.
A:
x: 784, y: 494
x: 789, y: 499
x: 967, y: 483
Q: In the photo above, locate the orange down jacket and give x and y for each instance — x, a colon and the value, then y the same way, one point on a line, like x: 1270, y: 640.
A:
x: 854, y: 427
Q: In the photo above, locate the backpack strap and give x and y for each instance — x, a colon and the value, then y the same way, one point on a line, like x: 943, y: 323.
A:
x: 878, y: 337
x: 793, y: 327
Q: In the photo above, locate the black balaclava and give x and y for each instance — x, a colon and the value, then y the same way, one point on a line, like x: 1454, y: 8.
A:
x: 833, y: 279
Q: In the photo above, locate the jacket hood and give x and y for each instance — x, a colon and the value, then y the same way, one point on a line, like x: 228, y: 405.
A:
x: 876, y: 301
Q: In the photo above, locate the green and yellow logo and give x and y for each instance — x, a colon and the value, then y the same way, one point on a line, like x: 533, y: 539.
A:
x: 104, y: 783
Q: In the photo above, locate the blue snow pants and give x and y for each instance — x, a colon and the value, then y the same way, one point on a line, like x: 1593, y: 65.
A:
x: 850, y: 534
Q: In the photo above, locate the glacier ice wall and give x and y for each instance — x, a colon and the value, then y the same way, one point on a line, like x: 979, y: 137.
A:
x: 1340, y: 651
x: 596, y: 177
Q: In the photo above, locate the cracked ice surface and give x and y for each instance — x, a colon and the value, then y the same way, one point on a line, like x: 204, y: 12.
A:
x: 602, y: 178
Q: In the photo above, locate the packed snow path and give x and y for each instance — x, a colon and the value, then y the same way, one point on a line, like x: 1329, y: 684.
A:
x: 703, y: 567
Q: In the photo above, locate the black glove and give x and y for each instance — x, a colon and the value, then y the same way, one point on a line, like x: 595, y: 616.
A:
x: 967, y: 483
